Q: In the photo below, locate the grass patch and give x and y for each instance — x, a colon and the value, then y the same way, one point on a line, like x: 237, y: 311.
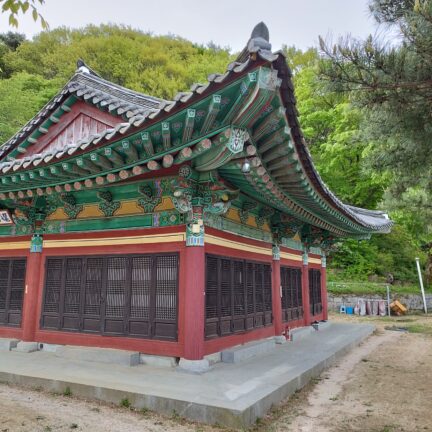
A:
x: 125, y: 403
x: 420, y: 328
x: 67, y: 392
x: 364, y: 288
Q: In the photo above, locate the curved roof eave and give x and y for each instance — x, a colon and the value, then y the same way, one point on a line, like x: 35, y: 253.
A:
x: 259, y: 46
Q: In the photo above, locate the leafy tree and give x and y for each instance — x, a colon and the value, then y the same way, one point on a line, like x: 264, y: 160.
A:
x: 12, y: 39
x: 391, y: 85
x: 20, y: 98
x: 15, y: 7
x: 159, y: 66
x: 332, y: 130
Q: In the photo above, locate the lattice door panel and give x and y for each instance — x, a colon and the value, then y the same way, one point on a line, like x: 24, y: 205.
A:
x: 12, y: 281
x: 291, y: 294
x: 113, y: 295
x: 315, y: 291
x: 238, y: 295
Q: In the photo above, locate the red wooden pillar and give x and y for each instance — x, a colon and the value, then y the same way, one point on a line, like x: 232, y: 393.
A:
x: 276, y: 292
x: 324, y: 299
x: 305, y: 290
x: 31, y: 291
x: 194, y: 301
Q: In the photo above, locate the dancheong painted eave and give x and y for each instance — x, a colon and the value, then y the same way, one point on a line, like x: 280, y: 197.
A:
x: 251, y: 106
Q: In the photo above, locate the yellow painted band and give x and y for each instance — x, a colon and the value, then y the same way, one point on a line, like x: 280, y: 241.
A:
x: 15, y: 245
x: 314, y: 260
x: 237, y: 245
x: 290, y: 256
x: 112, y: 241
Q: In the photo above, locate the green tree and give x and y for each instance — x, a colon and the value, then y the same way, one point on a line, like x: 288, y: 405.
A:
x: 332, y: 130
x: 20, y: 98
x: 159, y: 66
x: 392, y: 84
x: 15, y: 7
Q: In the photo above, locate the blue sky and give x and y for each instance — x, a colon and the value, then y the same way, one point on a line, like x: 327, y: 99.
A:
x: 225, y: 22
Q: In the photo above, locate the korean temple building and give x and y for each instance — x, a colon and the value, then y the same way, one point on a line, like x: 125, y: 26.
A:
x: 176, y: 228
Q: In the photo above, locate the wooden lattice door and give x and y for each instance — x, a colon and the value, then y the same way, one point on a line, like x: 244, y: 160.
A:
x: 116, y: 295
x: 12, y: 280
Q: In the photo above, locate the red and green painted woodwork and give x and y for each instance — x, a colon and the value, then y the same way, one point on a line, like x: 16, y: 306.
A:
x: 247, y: 108
x: 305, y: 288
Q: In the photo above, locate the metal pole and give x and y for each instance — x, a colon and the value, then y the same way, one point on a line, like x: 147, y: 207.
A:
x: 421, y: 284
x: 388, y: 301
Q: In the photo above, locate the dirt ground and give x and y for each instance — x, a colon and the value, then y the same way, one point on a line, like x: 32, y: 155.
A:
x: 382, y: 386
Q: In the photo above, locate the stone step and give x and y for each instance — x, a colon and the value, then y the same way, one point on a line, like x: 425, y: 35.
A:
x: 243, y: 352
x: 7, y: 344
x: 101, y: 355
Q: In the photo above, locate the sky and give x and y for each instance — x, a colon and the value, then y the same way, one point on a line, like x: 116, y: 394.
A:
x: 227, y: 23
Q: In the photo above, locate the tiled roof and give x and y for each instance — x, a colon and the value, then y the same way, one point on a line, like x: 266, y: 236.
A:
x: 136, y: 109
x: 259, y: 46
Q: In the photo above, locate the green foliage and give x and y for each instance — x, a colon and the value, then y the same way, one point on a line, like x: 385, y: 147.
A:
x: 21, y: 96
x: 160, y: 66
x: 125, y: 403
x: 12, y: 39
x: 15, y: 7
x: 392, y: 85
x: 333, y: 129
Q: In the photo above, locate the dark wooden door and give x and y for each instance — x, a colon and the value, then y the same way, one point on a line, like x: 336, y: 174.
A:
x: 238, y: 295
x: 292, y: 301
x: 12, y: 280
x: 132, y: 295
x: 315, y: 291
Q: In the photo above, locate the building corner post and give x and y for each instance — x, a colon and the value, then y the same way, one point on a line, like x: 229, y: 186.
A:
x: 324, y: 294
x: 305, y: 289
x: 277, y: 295
x: 194, y: 302
x: 31, y: 291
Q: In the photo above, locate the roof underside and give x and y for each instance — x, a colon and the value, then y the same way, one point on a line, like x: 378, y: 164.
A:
x: 256, y: 95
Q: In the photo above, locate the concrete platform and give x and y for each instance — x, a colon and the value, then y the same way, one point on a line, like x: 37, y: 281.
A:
x: 249, y: 350
x: 233, y: 395
x: 98, y: 355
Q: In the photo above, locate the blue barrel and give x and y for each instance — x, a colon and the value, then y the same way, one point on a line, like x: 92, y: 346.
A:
x: 349, y: 310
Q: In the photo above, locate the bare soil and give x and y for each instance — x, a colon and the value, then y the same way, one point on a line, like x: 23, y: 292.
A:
x: 382, y: 386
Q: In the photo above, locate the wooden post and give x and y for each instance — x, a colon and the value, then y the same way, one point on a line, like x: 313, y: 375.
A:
x: 194, y: 315
x: 324, y: 299
x: 194, y: 303
x: 305, y: 290
x: 31, y: 291
x: 276, y: 295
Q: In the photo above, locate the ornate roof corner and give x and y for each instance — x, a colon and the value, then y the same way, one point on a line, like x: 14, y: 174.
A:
x: 260, y: 38
x: 83, y: 68
x: 259, y: 43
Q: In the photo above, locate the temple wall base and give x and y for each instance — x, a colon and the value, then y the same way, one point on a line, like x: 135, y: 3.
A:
x: 193, y: 366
